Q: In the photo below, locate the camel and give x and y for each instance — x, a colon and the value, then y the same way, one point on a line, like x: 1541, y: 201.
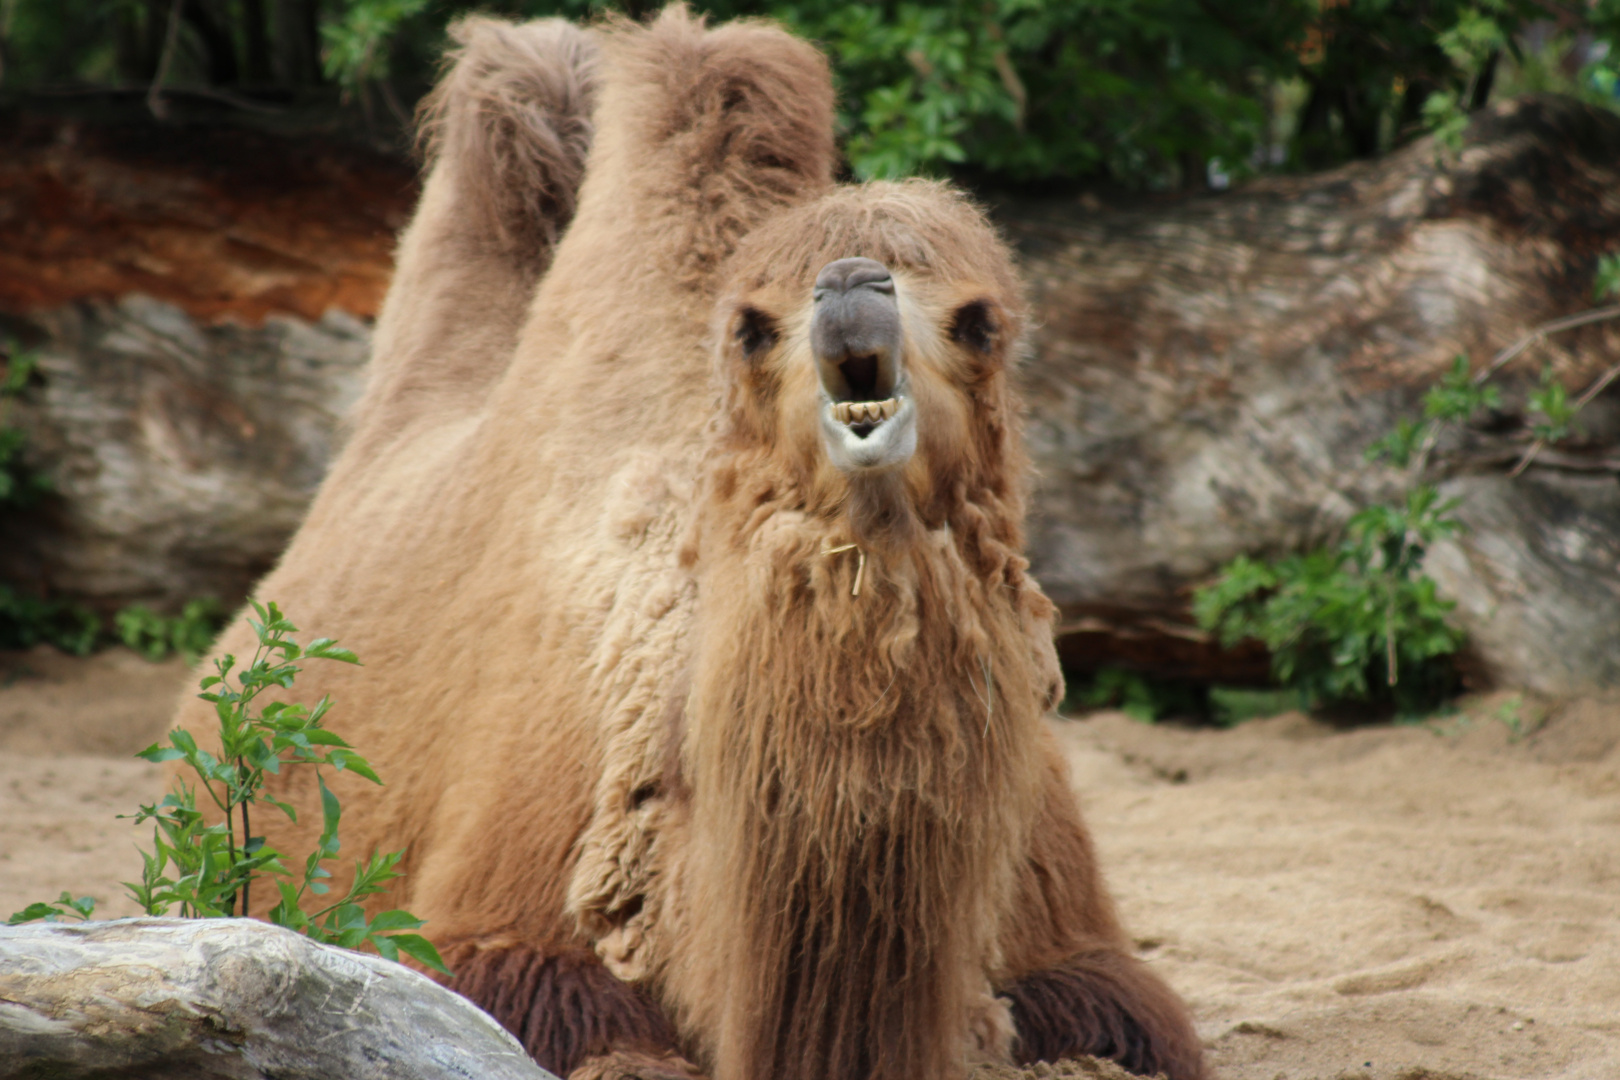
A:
x: 679, y: 533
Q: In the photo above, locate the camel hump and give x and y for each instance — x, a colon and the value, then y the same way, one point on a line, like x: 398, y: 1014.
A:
x: 513, y: 112
x: 506, y: 133
x: 701, y: 135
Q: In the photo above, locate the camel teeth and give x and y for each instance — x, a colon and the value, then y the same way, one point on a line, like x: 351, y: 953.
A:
x: 865, y: 412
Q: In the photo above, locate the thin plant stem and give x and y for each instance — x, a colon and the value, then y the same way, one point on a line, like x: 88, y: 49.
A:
x: 1569, y: 322
x: 171, y: 40
x: 1591, y: 392
x: 1389, y: 637
x: 247, y: 836
x: 1420, y: 460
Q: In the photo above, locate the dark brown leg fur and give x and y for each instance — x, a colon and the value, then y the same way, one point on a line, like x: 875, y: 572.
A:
x: 1106, y: 1004
x: 626, y: 1065
x: 567, y: 1009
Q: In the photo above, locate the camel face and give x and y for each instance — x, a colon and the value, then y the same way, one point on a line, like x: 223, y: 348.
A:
x: 865, y: 342
x: 868, y: 417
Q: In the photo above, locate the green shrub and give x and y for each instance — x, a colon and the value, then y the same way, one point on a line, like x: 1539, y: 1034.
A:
x: 155, y: 636
x: 208, y: 870
x: 1136, y: 695
x: 21, y: 485
x: 26, y: 621
x: 1359, y: 622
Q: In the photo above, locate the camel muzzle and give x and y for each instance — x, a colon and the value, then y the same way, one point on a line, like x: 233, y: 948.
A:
x: 868, y: 420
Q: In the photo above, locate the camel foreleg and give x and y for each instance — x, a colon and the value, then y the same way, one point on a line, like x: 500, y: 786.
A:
x: 571, y: 1014
x: 1105, y: 1003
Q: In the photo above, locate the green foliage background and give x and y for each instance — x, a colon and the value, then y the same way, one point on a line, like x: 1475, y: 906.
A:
x: 1141, y: 93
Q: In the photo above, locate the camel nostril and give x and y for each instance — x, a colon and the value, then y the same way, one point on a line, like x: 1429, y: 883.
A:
x: 842, y: 275
x: 855, y: 331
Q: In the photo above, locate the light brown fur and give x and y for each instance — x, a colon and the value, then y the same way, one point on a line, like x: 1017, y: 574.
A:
x: 623, y: 700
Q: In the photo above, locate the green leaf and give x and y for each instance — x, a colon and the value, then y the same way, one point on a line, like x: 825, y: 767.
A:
x: 1399, y: 445
x: 385, y: 947
x: 354, y: 763
x: 1606, y: 281
x: 422, y: 950
x: 396, y: 920
x: 331, y: 811
x: 32, y: 912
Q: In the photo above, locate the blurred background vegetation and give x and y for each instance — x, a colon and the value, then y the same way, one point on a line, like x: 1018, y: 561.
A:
x: 1025, y: 97
x: 1154, y: 95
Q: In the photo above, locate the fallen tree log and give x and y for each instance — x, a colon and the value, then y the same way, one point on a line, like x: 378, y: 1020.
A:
x: 232, y: 999
x: 1206, y: 374
x: 198, y: 304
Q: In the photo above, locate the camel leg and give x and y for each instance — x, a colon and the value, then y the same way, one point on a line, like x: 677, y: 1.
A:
x: 1071, y: 981
x: 630, y: 1065
x: 570, y: 1013
x: 1105, y: 1003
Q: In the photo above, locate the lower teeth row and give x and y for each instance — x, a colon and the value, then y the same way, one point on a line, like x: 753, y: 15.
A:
x: 865, y: 412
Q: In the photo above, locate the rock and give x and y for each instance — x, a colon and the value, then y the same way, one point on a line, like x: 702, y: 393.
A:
x: 199, y: 303
x: 183, y: 454
x: 231, y: 999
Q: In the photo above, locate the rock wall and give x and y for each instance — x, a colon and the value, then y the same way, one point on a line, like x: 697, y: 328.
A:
x: 199, y: 306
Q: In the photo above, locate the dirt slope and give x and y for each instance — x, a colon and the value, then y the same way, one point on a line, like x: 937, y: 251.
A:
x: 1391, y: 903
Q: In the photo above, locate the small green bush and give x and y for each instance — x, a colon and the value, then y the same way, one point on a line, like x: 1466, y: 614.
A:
x: 156, y: 636
x: 208, y: 870
x: 26, y: 621
x: 20, y: 485
x: 1359, y: 622
x: 1362, y: 622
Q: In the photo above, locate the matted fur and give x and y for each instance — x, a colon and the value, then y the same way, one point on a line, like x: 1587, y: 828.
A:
x: 562, y: 1005
x: 512, y: 117
x: 505, y: 133
x: 626, y: 704
x: 1103, y: 1004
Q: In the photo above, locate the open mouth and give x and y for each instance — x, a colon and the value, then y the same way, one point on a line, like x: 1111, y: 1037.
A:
x: 860, y: 408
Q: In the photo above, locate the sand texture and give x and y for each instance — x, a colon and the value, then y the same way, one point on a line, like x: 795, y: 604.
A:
x: 1435, y: 902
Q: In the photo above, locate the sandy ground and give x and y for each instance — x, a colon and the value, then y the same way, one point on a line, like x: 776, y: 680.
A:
x: 1439, y: 902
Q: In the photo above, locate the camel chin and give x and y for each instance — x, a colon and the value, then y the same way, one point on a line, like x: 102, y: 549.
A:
x: 871, y: 437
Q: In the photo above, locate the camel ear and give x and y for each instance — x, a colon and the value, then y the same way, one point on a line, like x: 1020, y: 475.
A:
x: 755, y: 333
x: 979, y: 328
x: 512, y: 117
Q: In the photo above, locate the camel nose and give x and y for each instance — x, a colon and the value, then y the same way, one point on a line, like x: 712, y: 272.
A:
x: 855, y: 330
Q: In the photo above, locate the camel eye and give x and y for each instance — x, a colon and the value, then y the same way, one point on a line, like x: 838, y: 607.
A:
x: 756, y: 332
x: 973, y: 326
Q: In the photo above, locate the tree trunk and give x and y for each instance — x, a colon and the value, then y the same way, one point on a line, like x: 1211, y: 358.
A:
x: 232, y: 999
x: 1208, y: 373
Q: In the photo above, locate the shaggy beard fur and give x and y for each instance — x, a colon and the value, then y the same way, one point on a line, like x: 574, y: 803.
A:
x: 859, y: 767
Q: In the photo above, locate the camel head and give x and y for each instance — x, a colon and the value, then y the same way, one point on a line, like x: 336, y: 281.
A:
x: 865, y: 343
